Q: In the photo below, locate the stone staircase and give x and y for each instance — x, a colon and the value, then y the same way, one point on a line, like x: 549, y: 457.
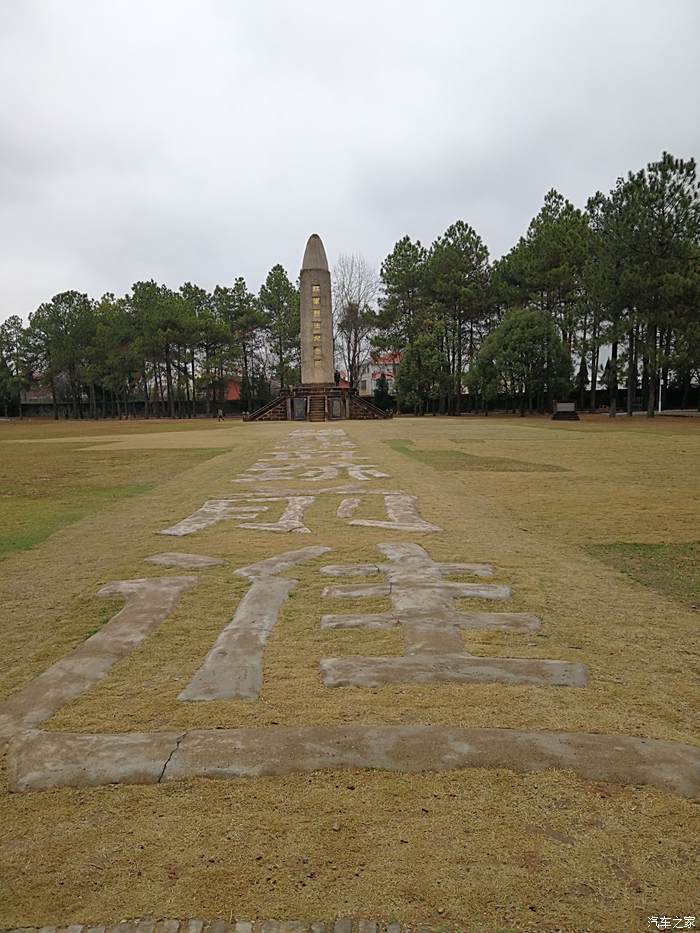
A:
x: 276, y: 410
x: 362, y: 409
x: 317, y: 408
x: 319, y: 399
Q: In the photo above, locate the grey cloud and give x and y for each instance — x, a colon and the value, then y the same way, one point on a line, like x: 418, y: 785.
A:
x: 204, y: 140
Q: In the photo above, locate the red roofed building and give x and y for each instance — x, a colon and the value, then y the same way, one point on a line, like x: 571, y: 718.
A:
x: 378, y: 365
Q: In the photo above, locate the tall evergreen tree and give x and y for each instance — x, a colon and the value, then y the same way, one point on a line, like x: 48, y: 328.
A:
x: 279, y: 302
x: 60, y: 331
x: 14, y: 365
x: 239, y: 309
x: 457, y: 279
x: 545, y: 268
x: 648, y: 241
x: 525, y: 359
x: 403, y: 304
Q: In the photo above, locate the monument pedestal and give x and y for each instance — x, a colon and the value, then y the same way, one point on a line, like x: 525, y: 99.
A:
x: 317, y: 402
x: 317, y: 398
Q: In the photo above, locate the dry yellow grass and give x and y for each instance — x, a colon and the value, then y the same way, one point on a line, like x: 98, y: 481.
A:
x: 492, y: 850
x: 48, y: 429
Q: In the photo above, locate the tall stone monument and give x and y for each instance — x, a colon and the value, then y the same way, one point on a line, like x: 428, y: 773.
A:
x: 318, y: 398
x: 317, y: 365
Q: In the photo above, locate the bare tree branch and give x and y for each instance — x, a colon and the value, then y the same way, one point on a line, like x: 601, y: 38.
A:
x: 355, y: 291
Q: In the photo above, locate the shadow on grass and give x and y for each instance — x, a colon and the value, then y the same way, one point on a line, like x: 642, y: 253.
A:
x: 459, y: 460
x: 671, y: 569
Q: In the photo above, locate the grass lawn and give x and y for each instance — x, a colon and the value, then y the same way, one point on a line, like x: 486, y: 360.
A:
x: 44, y: 489
x: 594, y: 525
x: 673, y: 569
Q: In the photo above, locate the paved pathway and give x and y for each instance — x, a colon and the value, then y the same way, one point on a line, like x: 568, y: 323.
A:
x: 220, y: 926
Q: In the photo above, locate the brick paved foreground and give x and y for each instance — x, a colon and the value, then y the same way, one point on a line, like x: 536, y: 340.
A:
x: 220, y: 926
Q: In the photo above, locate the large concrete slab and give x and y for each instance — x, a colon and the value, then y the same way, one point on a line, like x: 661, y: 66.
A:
x: 280, y: 562
x: 519, y: 623
x: 213, y: 511
x: 186, y: 561
x: 449, y: 668
x: 239, y: 926
x: 424, y: 606
x: 421, y: 597
x: 291, y: 519
x: 403, y: 516
x: 148, y: 602
x: 66, y: 759
x: 40, y: 760
x: 233, y: 669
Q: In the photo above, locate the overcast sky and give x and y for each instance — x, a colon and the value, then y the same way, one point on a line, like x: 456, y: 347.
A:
x: 202, y: 140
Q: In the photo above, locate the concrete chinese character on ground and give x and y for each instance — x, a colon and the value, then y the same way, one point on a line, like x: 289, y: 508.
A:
x: 423, y: 605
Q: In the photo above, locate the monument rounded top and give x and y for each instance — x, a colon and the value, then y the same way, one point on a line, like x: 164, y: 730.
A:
x: 314, y: 254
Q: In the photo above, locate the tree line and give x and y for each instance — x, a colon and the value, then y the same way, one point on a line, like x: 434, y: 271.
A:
x: 158, y: 351
x: 588, y: 300
x: 622, y: 276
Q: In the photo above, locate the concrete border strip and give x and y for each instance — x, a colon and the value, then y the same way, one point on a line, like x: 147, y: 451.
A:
x: 42, y: 760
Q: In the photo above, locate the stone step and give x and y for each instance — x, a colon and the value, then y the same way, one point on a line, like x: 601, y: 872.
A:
x: 317, y: 408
